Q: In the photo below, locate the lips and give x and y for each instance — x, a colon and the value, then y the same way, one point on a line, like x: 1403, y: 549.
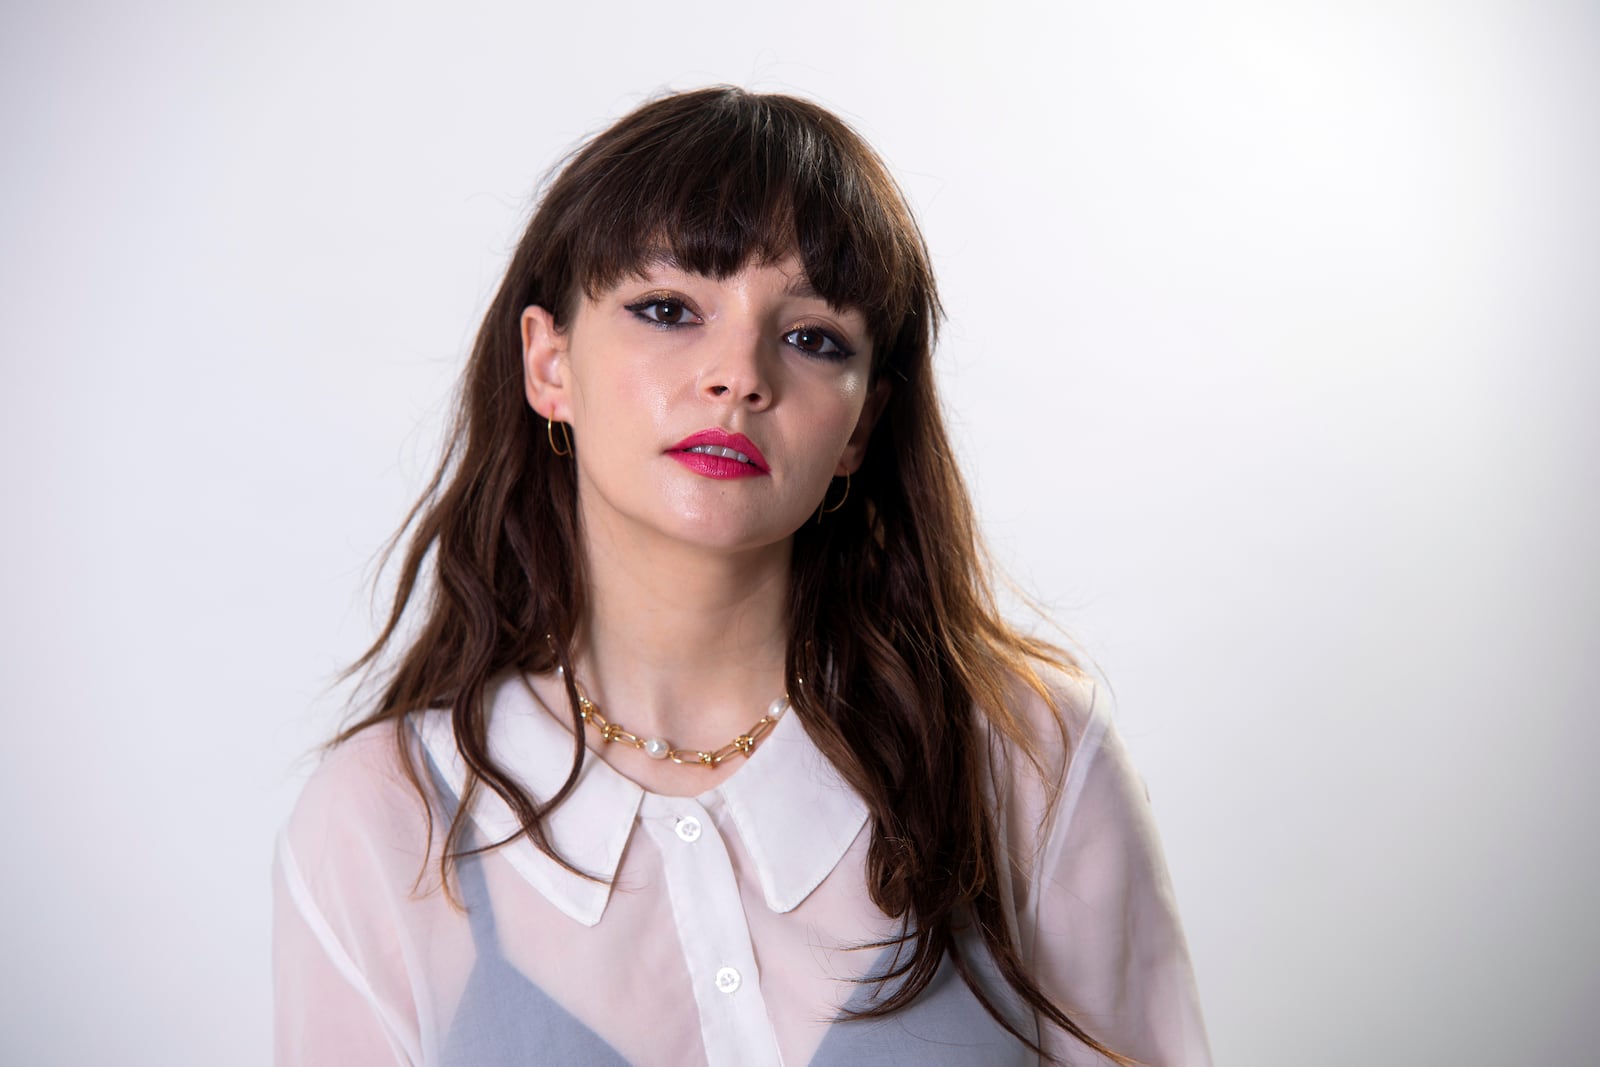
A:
x: 717, y: 453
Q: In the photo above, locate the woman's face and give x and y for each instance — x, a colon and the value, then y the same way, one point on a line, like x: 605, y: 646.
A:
x: 667, y: 374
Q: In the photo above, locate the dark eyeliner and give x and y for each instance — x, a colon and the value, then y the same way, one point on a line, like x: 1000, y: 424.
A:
x: 639, y: 307
x: 844, y: 350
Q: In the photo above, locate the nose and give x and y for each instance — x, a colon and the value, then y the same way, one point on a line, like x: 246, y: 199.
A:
x: 737, y: 371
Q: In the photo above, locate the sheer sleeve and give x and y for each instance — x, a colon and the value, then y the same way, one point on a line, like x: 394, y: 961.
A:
x: 1098, y: 920
x: 341, y: 984
x: 324, y: 1008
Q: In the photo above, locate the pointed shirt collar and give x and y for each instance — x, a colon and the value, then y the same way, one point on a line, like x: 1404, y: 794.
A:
x: 795, y: 815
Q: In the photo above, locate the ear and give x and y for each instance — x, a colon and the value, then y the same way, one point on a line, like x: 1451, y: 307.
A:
x: 855, y: 450
x: 544, y: 364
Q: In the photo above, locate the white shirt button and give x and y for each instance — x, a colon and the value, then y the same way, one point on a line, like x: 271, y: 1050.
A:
x: 728, y: 980
x: 688, y: 829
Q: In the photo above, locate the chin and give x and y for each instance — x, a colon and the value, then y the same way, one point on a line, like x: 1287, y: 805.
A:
x: 724, y: 533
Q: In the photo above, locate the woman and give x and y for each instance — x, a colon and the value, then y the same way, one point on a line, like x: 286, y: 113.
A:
x: 707, y: 743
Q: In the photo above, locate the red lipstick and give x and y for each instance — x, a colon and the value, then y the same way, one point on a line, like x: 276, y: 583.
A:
x: 713, y: 459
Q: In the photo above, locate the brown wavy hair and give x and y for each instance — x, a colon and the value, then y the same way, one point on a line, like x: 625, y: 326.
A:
x: 892, y: 617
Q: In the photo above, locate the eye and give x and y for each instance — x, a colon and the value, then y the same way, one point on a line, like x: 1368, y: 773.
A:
x: 815, y: 342
x: 664, y: 311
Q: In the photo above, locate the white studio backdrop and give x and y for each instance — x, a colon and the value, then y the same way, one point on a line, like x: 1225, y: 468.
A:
x: 1271, y: 354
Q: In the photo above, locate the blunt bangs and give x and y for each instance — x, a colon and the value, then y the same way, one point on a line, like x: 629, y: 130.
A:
x: 719, y: 178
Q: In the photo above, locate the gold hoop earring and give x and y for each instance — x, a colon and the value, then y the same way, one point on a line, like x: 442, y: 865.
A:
x: 550, y: 432
x: 824, y: 509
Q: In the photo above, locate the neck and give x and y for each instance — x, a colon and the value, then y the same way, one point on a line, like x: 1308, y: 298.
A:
x: 680, y: 642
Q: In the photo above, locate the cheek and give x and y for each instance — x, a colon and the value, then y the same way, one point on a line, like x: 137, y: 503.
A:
x: 851, y: 400
x: 642, y: 390
x: 824, y: 435
x: 853, y: 387
x: 621, y: 397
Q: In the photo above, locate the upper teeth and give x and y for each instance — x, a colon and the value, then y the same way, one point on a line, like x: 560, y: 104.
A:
x: 718, y: 450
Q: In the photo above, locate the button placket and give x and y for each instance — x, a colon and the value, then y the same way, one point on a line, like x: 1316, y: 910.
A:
x: 709, y: 912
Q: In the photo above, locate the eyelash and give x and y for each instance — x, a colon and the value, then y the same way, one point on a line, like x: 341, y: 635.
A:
x: 642, y: 309
x: 643, y: 306
x: 841, y: 351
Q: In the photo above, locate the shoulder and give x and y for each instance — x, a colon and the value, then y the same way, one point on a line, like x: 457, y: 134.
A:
x: 354, y: 889
x: 1064, y: 741
x: 362, y: 806
x: 1062, y: 717
x: 1094, y: 908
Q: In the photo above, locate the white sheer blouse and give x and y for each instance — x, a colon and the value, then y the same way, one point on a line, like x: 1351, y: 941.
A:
x: 723, y: 929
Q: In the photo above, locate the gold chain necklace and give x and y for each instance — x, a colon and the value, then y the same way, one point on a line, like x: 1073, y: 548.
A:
x: 660, y: 748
